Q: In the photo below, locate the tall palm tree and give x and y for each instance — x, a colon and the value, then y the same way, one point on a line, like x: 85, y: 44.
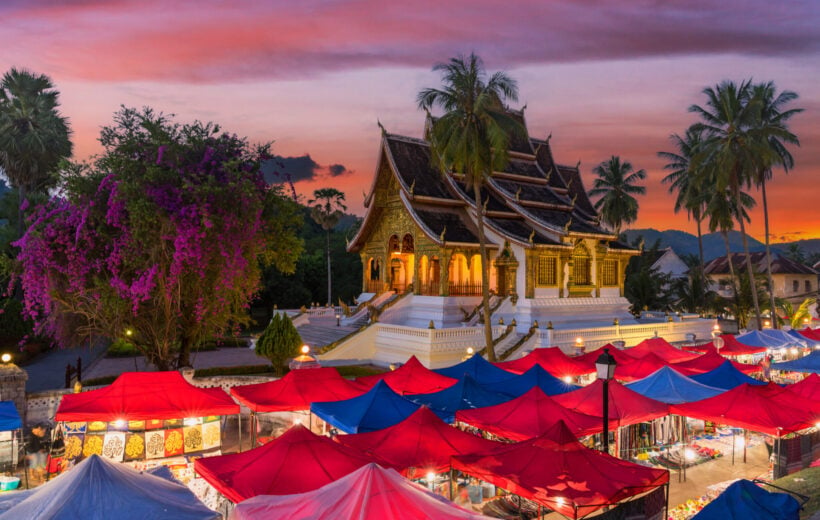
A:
x: 772, y: 113
x: 683, y: 180
x: 327, y: 209
x: 34, y: 137
x: 616, y: 185
x: 472, y: 138
x: 736, y: 147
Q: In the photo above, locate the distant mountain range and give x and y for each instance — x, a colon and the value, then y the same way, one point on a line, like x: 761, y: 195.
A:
x: 684, y: 243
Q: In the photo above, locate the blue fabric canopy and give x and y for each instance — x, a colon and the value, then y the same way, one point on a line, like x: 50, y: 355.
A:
x: 756, y: 338
x: 808, y: 341
x: 478, y: 368
x: 725, y: 376
x: 465, y: 394
x: 809, y: 364
x: 379, y: 408
x: 519, y: 385
x: 668, y: 386
x: 744, y: 500
x: 785, y: 337
x: 9, y: 418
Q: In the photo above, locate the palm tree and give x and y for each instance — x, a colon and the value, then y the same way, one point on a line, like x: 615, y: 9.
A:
x: 683, y: 180
x: 736, y: 147
x: 772, y: 114
x: 616, y: 185
x: 472, y: 138
x: 34, y: 137
x: 328, y: 208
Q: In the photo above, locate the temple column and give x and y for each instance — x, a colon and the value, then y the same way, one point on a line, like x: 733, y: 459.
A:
x: 444, y: 273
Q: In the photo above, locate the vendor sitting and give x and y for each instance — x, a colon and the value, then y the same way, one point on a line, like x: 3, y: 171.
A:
x: 36, y: 451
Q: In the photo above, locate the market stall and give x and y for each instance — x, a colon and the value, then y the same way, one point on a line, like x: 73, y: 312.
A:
x: 369, y: 493
x: 145, y: 419
x: 809, y: 387
x: 745, y: 499
x: 378, y: 408
x: 410, y: 378
x: 519, y: 385
x: 418, y: 445
x: 464, y: 395
x: 661, y: 348
x: 710, y: 361
x: 98, y: 489
x: 476, y: 367
x: 296, y: 462
x: 638, y: 368
x: 670, y: 387
x: 808, y: 364
x: 568, y: 478
x: 726, y: 376
x: 551, y: 359
x: 528, y: 416
x: 11, y: 439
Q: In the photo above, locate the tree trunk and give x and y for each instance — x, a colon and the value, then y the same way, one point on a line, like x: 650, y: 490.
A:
x: 21, y: 198
x: 775, y: 320
x: 327, y: 249
x: 184, y: 357
x: 732, y: 277
x: 749, y: 268
x: 485, y: 275
x: 701, y: 297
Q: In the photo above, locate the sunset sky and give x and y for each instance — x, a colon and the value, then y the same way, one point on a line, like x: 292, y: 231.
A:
x: 315, y: 76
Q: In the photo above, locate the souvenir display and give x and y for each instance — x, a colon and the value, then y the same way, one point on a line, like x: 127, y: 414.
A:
x: 211, y: 435
x: 93, y: 444
x: 173, y: 442
x: 155, y: 445
x: 135, y: 446
x: 114, y: 447
x: 193, y: 438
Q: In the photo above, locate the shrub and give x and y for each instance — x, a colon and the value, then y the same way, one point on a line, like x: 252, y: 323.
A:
x: 122, y: 348
x: 279, y: 342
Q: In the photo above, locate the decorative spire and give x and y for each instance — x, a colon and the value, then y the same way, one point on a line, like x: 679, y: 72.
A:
x: 518, y: 194
x: 413, y: 186
x: 443, y: 232
x: 384, y: 132
x: 532, y: 236
x: 578, y: 165
x: 574, y: 198
x: 486, y: 201
x: 567, y: 225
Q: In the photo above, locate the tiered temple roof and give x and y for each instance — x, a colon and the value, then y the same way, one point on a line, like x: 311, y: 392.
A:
x: 533, y: 202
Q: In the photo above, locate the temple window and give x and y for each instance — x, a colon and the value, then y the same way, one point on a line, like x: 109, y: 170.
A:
x: 546, y: 274
x: 581, y: 266
x: 609, y: 273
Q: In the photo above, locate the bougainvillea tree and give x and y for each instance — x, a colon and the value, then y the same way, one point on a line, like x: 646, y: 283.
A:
x: 161, y: 240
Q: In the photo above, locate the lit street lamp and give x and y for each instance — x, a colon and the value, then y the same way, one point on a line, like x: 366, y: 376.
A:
x: 605, y: 365
x: 338, y: 319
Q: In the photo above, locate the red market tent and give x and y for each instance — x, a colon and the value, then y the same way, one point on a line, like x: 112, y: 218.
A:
x: 703, y: 348
x: 708, y: 362
x: 808, y: 388
x: 369, y: 493
x: 810, y: 333
x: 410, y: 378
x: 138, y: 396
x: 732, y: 347
x: 639, y: 368
x: 589, y: 358
x: 529, y: 416
x: 767, y: 409
x: 419, y: 444
x: 551, y: 359
x: 296, y: 462
x: 297, y: 390
x: 661, y: 348
x: 558, y: 472
x: 625, y: 406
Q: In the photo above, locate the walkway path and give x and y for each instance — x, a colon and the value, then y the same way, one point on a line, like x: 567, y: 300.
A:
x: 47, y: 371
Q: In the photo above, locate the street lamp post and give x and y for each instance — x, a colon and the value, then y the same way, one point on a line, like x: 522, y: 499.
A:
x: 338, y: 319
x: 605, y: 366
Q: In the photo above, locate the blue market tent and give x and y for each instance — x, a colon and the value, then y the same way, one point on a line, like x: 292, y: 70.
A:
x: 745, y: 500
x: 725, y: 376
x: 670, y: 387
x: 100, y: 489
x: 756, y: 338
x: 478, y: 368
x: 464, y: 395
x: 9, y: 418
x: 519, y: 385
x: 808, y: 364
x: 806, y: 340
x: 379, y: 408
x: 789, y: 339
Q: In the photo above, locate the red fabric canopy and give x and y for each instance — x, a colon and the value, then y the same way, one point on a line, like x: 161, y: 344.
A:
x: 529, y: 416
x: 551, y: 359
x: 297, y: 390
x: 708, y: 362
x: 732, y: 347
x: 589, y: 358
x: 703, y: 348
x: 559, y: 472
x: 410, y: 378
x: 419, y: 444
x: 140, y: 396
x: 639, y: 368
x: 369, y: 493
x: 808, y: 387
x: 625, y: 406
x: 661, y: 348
x: 810, y: 333
x: 296, y: 462
x: 769, y: 409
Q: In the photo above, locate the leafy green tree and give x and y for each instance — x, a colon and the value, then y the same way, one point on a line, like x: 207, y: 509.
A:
x: 279, y: 342
x: 645, y: 287
x: 774, y: 114
x: 796, y: 253
x: 472, y: 138
x: 34, y: 137
x: 327, y: 209
x: 616, y: 185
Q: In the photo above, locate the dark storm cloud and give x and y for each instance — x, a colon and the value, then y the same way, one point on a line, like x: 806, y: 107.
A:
x: 300, y: 168
x: 337, y: 169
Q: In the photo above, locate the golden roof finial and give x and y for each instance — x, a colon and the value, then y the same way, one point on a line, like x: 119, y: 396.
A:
x: 443, y: 232
x: 567, y: 225
x: 413, y: 186
x: 532, y: 236
x: 518, y: 194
